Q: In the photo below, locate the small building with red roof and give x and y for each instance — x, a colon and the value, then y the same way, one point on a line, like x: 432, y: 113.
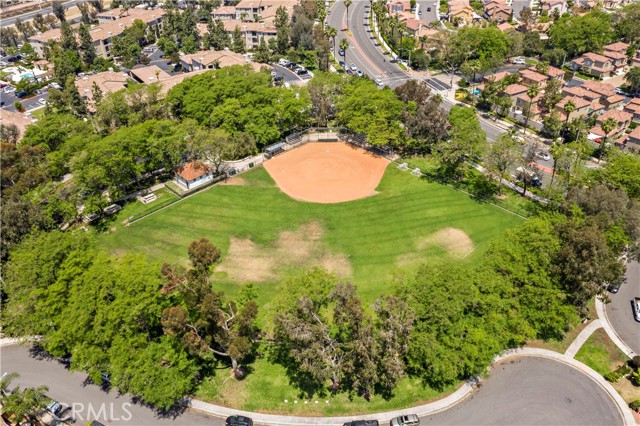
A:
x: 194, y: 174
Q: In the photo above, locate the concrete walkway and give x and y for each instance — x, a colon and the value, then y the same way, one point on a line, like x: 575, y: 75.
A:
x: 575, y: 346
x: 602, y: 316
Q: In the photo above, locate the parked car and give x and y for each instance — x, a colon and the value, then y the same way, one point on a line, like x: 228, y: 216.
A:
x: 291, y: 65
x: 283, y: 62
x: 341, y: 52
x: 518, y: 61
x: 301, y: 71
x: 635, y: 304
x: 359, y: 73
x: 342, y: 64
x: 408, y: 420
x: 55, y: 85
x: 21, y: 95
x: 428, y: 9
x: 9, y: 89
x: 545, y: 156
x: 42, y: 101
x: 353, y: 67
x: 238, y: 421
x: 379, y: 82
x: 613, y: 288
x: 362, y: 423
x: 619, y: 91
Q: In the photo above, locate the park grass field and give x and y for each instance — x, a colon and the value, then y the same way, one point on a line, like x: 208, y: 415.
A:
x: 264, y: 235
x: 368, y: 241
x: 371, y: 240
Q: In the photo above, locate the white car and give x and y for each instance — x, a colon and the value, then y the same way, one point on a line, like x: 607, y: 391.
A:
x: 353, y: 67
x: 407, y: 420
x: 544, y: 156
x: 9, y: 89
x: 518, y: 61
x: 42, y: 101
x: 379, y: 82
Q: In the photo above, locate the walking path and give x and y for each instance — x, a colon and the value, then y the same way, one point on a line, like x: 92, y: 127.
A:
x: 575, y: 346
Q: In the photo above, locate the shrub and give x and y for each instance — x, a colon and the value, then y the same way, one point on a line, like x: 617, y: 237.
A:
x: 635, y: 405
x: 617, y: 374
x: 635, y: 362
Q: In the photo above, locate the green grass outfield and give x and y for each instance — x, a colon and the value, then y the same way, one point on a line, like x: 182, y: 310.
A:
x: 373, y: 233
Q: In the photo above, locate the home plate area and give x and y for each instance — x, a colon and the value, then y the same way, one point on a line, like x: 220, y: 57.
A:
x: 327, y: 172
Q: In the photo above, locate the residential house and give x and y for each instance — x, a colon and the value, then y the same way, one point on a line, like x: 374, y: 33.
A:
x: 255, y: 9
x: 581, y: 92
x: 633, y: 139
x: 18, y: 119
x: 107, y: 82
x: 505, y: 27
x: 617, y: 53
x: 224, y: 13
x: 524, y: 102
x: 251, y: 32
x: 398, y: 7
x: 606, y: 91
x: 594, y: 64
x: 635, y: 61
x: 213, y: 59
x: 581, y: 108
x: 623, y: 120
x: 496, y: 77
x: 102, y: 35
x: 529, y: 78
x: 148, y: 74
x: 554, y: 6
x: 498, y: 11
x: 460, y: 12
x: 633, y: 108
x: 515, y: 90
x: 194, y: 174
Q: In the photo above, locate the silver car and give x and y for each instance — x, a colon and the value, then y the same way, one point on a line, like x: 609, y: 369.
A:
x: 408, y: 420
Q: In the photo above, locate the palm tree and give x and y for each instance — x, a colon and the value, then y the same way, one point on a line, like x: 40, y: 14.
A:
x: 568, y: 108
x: 607, y: 127
x: 344, y: 45
x: 532, y: 92
x: 347, y: 3
x: 25, y: 404
x: 332, y: 33
x: 394, y: 23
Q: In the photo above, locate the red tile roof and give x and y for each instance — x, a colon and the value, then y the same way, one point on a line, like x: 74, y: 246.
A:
x: 193, y: 170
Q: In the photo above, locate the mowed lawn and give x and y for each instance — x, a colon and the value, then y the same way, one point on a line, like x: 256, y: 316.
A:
x: 378, y: 237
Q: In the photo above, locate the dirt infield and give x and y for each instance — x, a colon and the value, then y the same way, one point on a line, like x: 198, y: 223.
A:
x: 327, y: 172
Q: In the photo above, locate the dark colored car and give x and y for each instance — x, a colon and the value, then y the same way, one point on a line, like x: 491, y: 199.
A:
x: 362, y: 423
x: 21, y: 94
x: 613, y: 288
x: 301, y: 71
x: 238, y: 421
x: 428, y: 9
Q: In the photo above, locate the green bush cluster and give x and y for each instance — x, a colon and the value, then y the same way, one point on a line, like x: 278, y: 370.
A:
x: 617, y: 374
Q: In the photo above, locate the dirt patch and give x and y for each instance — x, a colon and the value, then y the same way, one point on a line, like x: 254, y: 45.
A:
x: 234, y: 181
x: 408, y: 259
x: 327, y: 172
x: 455, y: 241
x: 246, y: 261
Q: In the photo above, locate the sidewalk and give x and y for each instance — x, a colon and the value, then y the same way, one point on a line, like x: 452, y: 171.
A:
x: 575, y: 346
x: 602, y: 315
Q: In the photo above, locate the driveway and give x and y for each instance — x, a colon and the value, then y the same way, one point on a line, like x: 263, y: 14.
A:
x: 533, y: 391
x: 619, y: 310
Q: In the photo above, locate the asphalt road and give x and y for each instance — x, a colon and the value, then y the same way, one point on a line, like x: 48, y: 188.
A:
x: 88, y: 402
x: 533, y: 391
x: 619, y: 310
x: 363, y: 50
x: 524, y: 391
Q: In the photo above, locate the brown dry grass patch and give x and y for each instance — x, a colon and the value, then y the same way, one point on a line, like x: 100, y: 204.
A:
x: 246, y: 261
x: 455, y: 241
x: 234, y: 181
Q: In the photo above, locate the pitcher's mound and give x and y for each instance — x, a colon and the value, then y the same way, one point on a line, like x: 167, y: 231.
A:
x: 327, y: 172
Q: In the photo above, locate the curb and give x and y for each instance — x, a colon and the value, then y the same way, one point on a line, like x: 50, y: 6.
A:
x: 423, y: 410
x: 611, y: 332
x: 623, y: 408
